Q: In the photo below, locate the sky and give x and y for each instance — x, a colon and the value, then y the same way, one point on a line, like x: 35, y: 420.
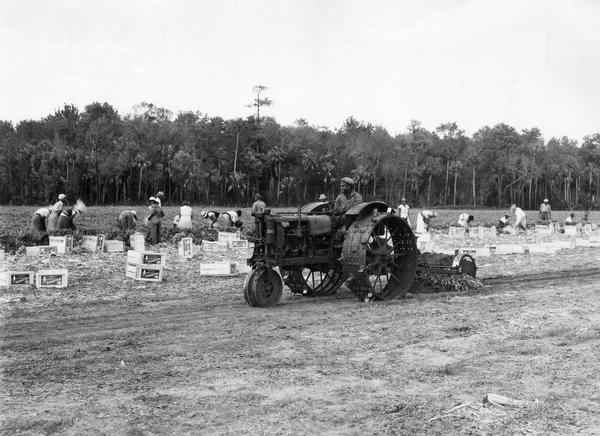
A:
x: 477, y: 63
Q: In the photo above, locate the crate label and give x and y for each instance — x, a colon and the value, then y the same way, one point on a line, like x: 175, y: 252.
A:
x: 152, y: 259
x: 146, y: 273
x: 20, y: 279
x: 238, y: 243
x: 51, y: 279
x: 47, y: 249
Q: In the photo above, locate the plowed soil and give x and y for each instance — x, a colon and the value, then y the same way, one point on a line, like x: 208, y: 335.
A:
x: 110, y: 355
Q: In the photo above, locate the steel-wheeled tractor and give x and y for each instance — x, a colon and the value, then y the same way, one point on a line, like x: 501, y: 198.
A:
x: 315, y: 251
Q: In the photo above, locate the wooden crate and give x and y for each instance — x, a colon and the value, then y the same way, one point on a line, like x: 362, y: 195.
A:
x: 457, y: 232
x: 225, y: 268
x: 186, y: 248
x: 544, y: 229
x: 424, y: 237
x: 146, y: 258
x: 114, y: 246
x: 503, y: 249
x: 94, y: 242
x: 38, y: 250
x: 569, y: 244
x: 17, y: 278
x: 52, y: 278
x: 469, y: 251
x: 63, y: 244
x: 228, y: 236
x: 572, y: 230
x: 215, y: 245
x: 138, y: 241
x: 238, y: 244
x: 243, y: 267
x: 486, y: 232
x: 152, y: 273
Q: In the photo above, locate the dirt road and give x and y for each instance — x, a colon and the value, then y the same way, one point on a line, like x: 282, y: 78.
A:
x: 120, y: 357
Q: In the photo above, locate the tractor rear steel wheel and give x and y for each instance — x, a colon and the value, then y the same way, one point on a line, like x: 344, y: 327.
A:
x: 263, y: 288
x: 314, y: 281
x: 380, y: 257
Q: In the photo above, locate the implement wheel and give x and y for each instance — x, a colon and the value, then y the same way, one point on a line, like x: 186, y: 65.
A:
x: 380, y: 257
x: 314, y: 280
x: 263, y: 287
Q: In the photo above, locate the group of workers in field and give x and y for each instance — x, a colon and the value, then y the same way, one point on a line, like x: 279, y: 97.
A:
x: 59, y: 217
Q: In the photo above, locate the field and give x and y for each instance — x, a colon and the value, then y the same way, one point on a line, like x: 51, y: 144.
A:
x: 109, y: 355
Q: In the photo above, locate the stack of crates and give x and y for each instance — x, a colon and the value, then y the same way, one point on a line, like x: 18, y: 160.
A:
x: 145, y: 265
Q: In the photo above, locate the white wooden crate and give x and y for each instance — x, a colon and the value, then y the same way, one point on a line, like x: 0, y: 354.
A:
x: 52, y: 278
x: 146, y: 258
x: 457, y: 232
x: 486, y: 232
x: 186, y: 248
x: 544, y: 229
x: 502, y: 249
x: 63, y: 244
x: 238, y: 243
x: 571, y: 243
x: 215, y: 245
x: 138, y: 241
x: 144, y: 273
x: 94, y: 242
x: 468, y: 250
x: 114, y: 246
x: 423, y: 237
x: 225, y: 268
x: 572, y: 230
x: 17, y: 278
x: 228, y: 236
x: 38, y: 250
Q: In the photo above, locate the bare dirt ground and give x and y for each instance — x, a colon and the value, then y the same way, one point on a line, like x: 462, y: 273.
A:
x: 109, y: 355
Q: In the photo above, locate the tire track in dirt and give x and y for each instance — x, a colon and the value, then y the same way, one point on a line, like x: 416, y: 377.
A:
x: 178, y: 313
x: 579, y: 273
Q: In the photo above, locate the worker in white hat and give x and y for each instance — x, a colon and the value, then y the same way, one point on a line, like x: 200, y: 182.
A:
x: 545, y: 211
x: 403, y: 209
x: 55, y: 210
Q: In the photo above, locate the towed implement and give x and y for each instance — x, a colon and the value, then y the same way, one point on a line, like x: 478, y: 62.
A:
x: 314, y: 252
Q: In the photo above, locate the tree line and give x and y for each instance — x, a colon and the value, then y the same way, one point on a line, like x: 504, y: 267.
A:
x: 106, y: 158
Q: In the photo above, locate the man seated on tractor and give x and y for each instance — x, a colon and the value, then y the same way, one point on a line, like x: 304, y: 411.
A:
x: 347, y: 198
x: 343, y: 202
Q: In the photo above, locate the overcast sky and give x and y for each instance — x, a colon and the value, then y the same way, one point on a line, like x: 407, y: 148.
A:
x: 526, y: 63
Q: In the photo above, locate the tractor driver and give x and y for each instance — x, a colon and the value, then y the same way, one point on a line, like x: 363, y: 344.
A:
x: 347, y: 198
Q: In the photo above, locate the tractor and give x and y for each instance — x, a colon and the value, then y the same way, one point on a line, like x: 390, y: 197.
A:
x: 314, y: 252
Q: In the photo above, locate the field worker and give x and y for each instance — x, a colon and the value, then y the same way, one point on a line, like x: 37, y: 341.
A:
x: 322, y: 197
x: 211, y: 215
x: 160, y: 196
x: 52, y: 221
x: 503, y: 225
x: 127, y: 220
x: 231, y: 218
x: 570, y: 221
x: 38, y: 221
x: 258, y: 206
x: 464, y: 219
x: 520, y: 217
x: 176, y: 219
x: 347, y: 198
x: 154, y: 220
x: 403, y: 209
x: 67, y: 216
x: 424, y: 221
x: 585, y: 216
x: 185, y: 216
x: 545, y: 211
